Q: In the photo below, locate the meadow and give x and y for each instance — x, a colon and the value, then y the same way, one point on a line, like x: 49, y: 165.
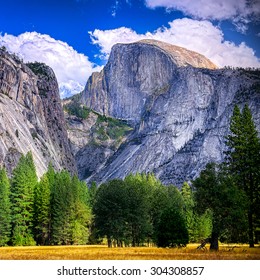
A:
x: 226, y: 252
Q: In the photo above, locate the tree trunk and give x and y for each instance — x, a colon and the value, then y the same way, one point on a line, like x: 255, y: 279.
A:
x: 109, y: 242
x: 214, y: 241
x: 251, y: 229
x: 250, y: 213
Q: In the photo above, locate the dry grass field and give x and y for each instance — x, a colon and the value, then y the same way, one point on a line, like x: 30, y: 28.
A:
x: 226, y: 252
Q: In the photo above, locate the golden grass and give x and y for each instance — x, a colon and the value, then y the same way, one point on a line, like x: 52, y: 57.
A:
x: 241, y: 252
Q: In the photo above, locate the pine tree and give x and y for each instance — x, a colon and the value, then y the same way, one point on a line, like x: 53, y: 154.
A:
x: 172, y: 229
x: 243, y: 161
x: 169, y: 224
x: 61, y: 200
x: 5, y: 208
x: 42, y: 211
x: 80, y: 212
x: 190, y: 216
x: 138, y: 192
x: 70, y: 209
x: 215, y: 191
x: 22, y: 198
x: 110, y: 211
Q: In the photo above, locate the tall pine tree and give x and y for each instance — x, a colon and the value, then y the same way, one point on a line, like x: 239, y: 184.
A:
x: 243, y: 161
x: 22, y: 198
x: 216, y: 191
x: 42, y: 211
x: 5, y: 208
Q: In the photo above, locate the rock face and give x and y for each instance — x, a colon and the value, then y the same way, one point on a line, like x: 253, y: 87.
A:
x: 31, y: 116
x: 94, y: 139
x: 134, y: 75
x: 178, y: 103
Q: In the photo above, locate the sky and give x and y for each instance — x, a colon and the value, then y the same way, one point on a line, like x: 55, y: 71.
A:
x: 75, y: 37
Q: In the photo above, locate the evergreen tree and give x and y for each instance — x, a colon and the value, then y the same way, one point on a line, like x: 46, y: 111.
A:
x: 80, y: 211
x: 172, y: 229
x: 138, y: 194
x: 158, y: 202
x: 216, y: 192
x: 51, y: 175
x: 110, y: 212
x: 169, y: 223
x: 199, y: 226
x: 92, y: 193
x: 5, y: 208
x: 42, y: 211
x: 190, y: 216
x: 70, y: 210
x: 22, y: 198
x: 243, y: 162
x: 93, y: 232
x: 61, y: 201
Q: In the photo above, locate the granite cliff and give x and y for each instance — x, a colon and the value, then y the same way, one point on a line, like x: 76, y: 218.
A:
x: 176, y: 101
x: 31, y: 116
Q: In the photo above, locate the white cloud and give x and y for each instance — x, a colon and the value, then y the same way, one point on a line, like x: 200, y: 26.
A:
x: 240, y: 12
x: 200, y: 36
x: 105, y: 39
x: 210, y: 9
x: 71, y: 68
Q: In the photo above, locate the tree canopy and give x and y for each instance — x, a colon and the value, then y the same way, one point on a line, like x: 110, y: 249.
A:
x: 243, y: 162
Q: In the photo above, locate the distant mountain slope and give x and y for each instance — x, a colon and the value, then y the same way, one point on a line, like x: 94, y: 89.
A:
x: 178, y: 103
x: 31, y: 116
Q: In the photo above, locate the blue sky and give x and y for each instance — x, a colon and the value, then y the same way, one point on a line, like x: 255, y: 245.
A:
x: 75, y: 37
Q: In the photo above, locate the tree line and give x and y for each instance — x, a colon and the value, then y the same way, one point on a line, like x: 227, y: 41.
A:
x: 221, y: 204
x: 54, y: 210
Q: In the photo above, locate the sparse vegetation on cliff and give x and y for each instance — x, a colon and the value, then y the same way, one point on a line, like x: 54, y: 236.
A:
x: 38, y: 68
x: 76, y: 109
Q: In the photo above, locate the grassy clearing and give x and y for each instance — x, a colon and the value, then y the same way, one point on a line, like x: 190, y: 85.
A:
x: 241, y: 252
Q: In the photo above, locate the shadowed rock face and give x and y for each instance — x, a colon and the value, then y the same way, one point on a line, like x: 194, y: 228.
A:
x: 31, y: 117
x: 179, y: 104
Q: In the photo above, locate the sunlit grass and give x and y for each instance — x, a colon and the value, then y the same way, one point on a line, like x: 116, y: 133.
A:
x: 240, y: 252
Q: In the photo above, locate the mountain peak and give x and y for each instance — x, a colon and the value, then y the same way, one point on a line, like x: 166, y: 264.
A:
x: 181, y: 56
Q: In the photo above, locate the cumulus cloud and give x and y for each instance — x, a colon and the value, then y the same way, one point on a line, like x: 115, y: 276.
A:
x: 240, y: 12
x: 200, y: 36
x: 105, y: 39
x: 71, y: 68
x: 210, y: 9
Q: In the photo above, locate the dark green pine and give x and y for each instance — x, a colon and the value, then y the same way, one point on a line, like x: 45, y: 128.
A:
x: 5, y: 208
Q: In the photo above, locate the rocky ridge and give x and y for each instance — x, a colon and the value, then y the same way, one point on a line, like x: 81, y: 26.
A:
x: 31, y: 116
x: 178, y: 103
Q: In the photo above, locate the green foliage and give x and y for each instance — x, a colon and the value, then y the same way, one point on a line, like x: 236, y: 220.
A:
x: 134, y: 211
x: 55, y: 210
x: 203, y: 226
x: 76, y: 109
x: 92, y: 193
x: 42, y: 211
x: 5, y: 208
x: 38, y: 68
x: 216, y: 192
x: 199, y: 226
x: 243, y: 162
x: 169, y: 208
x: 70, y: 210
x: 23, y: 184
x: 110, y: 128
x: 109, y: 211
x: 81, y: 212
x: 172, y: 229
x: 138, y: 193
